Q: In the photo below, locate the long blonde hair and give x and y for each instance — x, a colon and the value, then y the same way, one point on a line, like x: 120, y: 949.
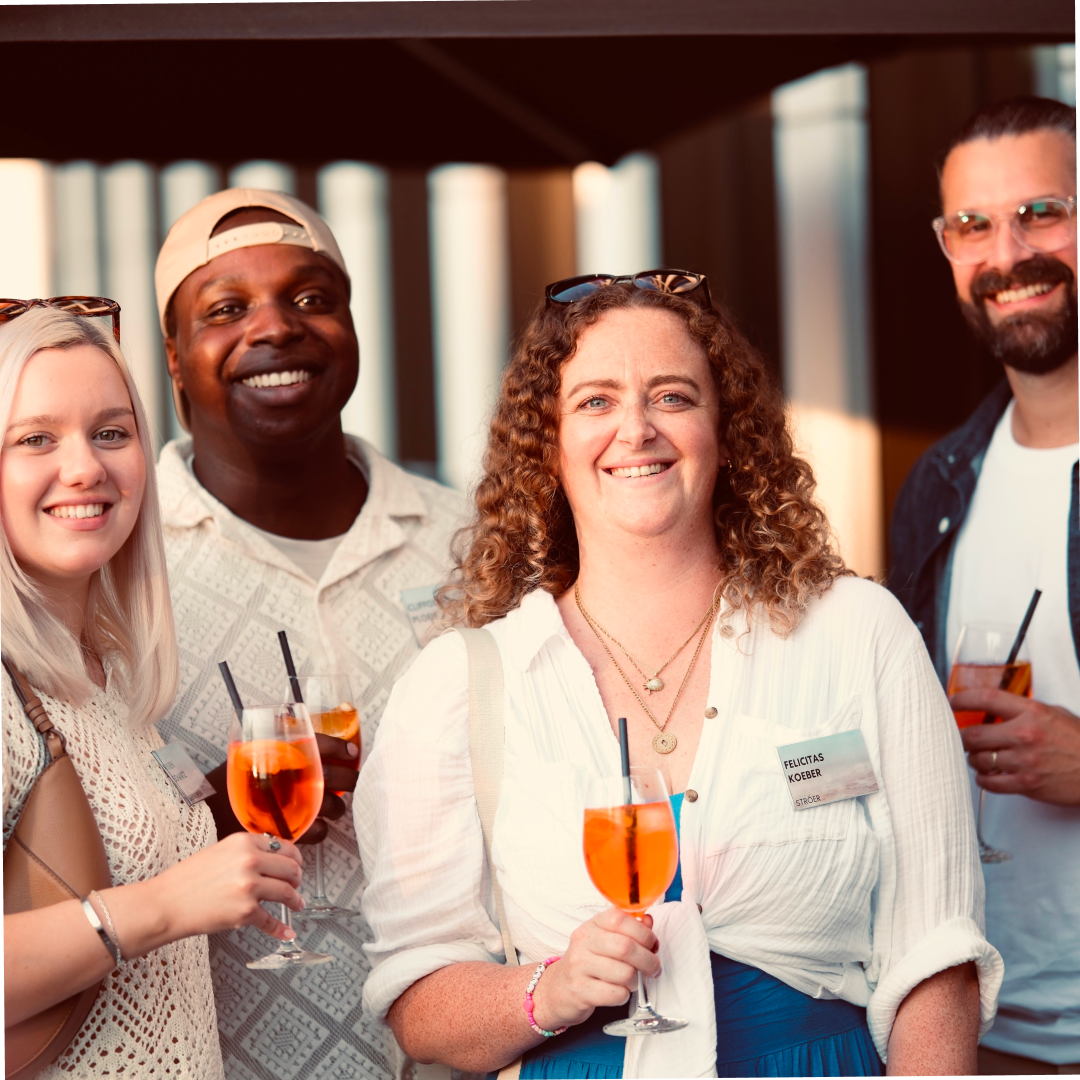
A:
x: 129, y: 621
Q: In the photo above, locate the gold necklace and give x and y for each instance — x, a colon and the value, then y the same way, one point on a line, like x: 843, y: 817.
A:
x: 663, y: 741
x: 653, y: 682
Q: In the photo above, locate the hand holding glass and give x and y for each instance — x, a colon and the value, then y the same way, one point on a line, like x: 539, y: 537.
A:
x: 631, y: 852
x: 275, y: 785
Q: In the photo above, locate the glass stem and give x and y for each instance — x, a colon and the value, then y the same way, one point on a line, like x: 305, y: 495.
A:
x: 287, y: 946
x: 320, y: 888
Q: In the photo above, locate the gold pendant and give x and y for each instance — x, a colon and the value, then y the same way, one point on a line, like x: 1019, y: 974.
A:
x: 664, y: 742
x: 654, y: 684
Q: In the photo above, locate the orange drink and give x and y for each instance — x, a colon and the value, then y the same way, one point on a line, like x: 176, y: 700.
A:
x: 624, y: 843
x: 1015, y: 678
x: 343, y: 722
x: 271, y: 780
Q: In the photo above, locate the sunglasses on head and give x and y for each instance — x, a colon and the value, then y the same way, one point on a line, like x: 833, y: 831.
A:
x: 92, y: 307
x: 676, y: 282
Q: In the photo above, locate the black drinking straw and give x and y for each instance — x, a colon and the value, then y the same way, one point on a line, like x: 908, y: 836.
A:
x: 631, y: 831
x: 264, y: 781
x: 290, y: 667
x: 1014, y: 652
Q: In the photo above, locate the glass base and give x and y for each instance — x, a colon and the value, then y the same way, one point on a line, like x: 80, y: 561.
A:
x: 644, y: 1025
x: 289, y: 957
x: 987, y: 854
x: 325, y: 911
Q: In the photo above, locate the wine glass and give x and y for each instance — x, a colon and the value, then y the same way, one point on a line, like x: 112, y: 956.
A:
x: 979, y: 663
x: 330, y: 704
x: 276, y: 786
x: 632, y: 852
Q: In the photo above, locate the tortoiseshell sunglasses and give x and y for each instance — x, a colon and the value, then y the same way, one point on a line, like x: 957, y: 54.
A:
x: 92, y: 307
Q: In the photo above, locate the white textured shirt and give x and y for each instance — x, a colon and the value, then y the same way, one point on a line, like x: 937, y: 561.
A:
x: 1014, y: 540
x: 232, y: 591
x: 860, y: 899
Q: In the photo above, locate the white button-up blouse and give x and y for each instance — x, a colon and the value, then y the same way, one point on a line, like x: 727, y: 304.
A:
x: 860, y: 899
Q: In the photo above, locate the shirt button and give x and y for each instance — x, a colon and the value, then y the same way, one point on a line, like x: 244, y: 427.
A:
x: 710, y: 712
x: 691, y: 795
x: 943, y: 525
x: 952, y: 459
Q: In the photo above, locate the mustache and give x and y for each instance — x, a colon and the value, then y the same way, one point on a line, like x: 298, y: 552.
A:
x: 1039, y: 269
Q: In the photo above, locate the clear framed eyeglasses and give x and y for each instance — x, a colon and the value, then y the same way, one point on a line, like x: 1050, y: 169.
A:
x: 1038, y: 225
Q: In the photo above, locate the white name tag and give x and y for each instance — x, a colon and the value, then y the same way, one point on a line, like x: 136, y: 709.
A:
x: 186, y: 776
x: 828, y: 769
x: 420, y: 607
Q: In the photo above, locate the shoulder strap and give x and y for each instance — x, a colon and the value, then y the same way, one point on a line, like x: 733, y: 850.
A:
x: 35, y: 711
x: 486, y: 739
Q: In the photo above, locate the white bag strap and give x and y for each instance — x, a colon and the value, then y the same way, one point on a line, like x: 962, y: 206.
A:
x: 487, y: 738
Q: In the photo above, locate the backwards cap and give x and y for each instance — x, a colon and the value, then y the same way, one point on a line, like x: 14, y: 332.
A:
x: 189, y: 246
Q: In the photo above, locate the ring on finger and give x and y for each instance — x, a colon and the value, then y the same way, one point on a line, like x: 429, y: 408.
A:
x: 272, y: 842
x: 993, y: 760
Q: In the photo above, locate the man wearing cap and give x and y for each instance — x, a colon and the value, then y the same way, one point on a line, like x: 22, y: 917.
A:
x: 276, y: 520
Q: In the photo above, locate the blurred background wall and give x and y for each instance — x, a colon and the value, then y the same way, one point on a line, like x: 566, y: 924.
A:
x: 809, y: 209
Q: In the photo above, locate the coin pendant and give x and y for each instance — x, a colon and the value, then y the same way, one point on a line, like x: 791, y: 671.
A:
x: 664, y: 742
x: 654, y: 684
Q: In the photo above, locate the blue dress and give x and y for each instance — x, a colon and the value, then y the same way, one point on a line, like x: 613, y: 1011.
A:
x: 763, y: 1028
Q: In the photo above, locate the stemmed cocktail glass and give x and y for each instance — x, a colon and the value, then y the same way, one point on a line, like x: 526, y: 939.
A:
x: 632, y: 852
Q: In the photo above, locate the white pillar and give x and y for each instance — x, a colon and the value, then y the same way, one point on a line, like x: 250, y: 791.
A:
x: 822, y: 195
x: 77, y: 208
x: 129, y: 199
x: 267, y: 175
x: 26, y: 250
x: 617, y: 213
x: 353, y: 199
x: 1055, y: 72
x: 183, y: 184
x: 470, y: 289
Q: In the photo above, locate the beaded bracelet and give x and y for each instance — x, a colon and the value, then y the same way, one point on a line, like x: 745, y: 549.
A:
x: 527, y: 1004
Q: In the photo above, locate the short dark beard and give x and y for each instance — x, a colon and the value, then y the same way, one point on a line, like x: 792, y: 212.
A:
x: 1033, y: 343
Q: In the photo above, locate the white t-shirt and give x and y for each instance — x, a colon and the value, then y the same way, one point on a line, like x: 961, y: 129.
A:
x: 312, y: 556
x: 1014, y: 540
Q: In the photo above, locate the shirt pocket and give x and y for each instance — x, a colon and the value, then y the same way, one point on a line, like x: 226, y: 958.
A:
x: 757, y: 808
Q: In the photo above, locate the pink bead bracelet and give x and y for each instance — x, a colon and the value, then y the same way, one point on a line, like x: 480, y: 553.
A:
x: 527, y: 1004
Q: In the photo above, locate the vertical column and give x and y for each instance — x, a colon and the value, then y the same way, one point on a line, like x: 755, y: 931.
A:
x: 470, y: 309
x: 77, y: 210
x: 1055, y: 72
x: 183, y: 184
x: 617, y: 213
x: 129, y: 203
x: 353, y: 197
x: 267, y: 175
x: 821, y: 182
x: 26, y: 250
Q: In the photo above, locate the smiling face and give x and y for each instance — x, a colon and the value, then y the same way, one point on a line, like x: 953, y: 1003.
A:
x: 72, y: 471
x: 264, y: 346
x: 1020, y: 304
x: 639, y: 414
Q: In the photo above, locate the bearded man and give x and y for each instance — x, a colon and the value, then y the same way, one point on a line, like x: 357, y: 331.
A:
x: 988, y: 515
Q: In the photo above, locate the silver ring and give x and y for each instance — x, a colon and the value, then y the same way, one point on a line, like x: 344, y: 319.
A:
x: 993, y: 760
x: 272, y: 842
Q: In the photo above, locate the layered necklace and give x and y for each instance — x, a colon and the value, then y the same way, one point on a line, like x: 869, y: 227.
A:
x: 663, y: 741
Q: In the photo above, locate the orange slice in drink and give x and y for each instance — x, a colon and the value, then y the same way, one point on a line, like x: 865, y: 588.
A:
x: 263, y: 757
x: 343, y: 722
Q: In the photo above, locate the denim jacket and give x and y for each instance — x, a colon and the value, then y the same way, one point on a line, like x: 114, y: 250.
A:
x: 926, y: 521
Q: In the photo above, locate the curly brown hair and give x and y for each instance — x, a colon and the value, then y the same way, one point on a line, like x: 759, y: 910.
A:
x: 774, y: 540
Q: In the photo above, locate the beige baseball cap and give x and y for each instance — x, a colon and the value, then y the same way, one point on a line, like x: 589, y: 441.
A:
x: 189, y: 245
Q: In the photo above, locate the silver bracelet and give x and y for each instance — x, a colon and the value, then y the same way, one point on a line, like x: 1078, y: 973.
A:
x: 109, y: 925
x: 95, y: 922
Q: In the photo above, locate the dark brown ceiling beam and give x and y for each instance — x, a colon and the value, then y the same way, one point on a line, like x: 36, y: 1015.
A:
x: 1050, y: 19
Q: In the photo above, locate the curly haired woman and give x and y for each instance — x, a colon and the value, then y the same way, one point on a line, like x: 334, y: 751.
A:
x: 646, y: 545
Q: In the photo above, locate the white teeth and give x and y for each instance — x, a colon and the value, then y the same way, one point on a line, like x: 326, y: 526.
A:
x: 278, y: 378
x: 640, y: 470
x: 83, y: 510
x: 1014, y: 296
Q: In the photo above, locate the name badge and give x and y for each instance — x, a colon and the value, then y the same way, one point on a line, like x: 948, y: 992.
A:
x: 828, y: 769
x: 186, y: 776
x: 420, y: 607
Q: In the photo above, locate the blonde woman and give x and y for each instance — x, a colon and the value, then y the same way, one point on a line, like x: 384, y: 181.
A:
x: 646, y: 545
x: 86, y: 617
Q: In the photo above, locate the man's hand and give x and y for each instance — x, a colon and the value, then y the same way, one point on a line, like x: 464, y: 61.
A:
x: 340, y: 771
x: 1035, y: 751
